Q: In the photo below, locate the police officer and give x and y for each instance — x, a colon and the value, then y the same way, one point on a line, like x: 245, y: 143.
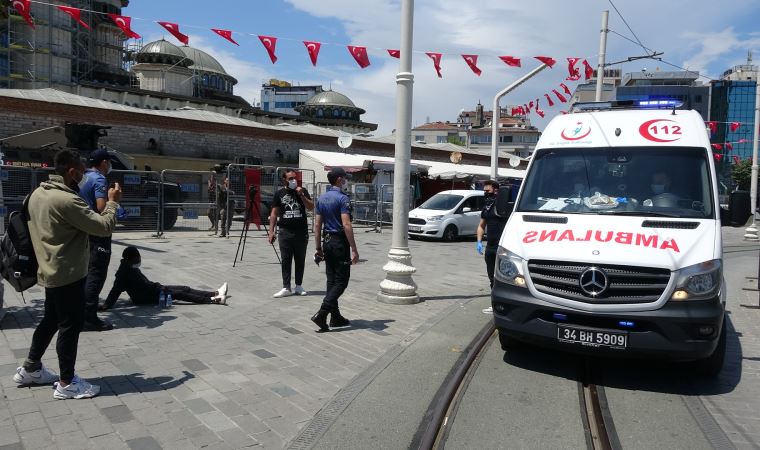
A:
x: 334, y: 240
x: 492, y: 225
x: 94, y: 191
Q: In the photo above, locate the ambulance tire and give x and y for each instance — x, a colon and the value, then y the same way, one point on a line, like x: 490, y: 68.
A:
x: 450, y: 233
x: 712, y: 365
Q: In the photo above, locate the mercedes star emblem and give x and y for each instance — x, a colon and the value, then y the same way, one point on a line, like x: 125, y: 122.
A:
x: 593, y: 281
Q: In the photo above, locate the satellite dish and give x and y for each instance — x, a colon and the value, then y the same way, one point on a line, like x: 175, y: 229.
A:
x: 514, y: 161
x: 345, y: 140
x: 455, y: 157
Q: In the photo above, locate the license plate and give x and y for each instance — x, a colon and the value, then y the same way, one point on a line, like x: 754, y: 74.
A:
x: 415, y: 229
x: 592, y: 338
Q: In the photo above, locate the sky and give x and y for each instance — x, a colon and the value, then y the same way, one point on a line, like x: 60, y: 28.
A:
x: 700, y: 35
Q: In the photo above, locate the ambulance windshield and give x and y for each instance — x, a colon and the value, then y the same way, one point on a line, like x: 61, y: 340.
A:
x: 637, y: 181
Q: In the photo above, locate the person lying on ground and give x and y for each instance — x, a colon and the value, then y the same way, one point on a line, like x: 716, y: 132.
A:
x: 142, y: 291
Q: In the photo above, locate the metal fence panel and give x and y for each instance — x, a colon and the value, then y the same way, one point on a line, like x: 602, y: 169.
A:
x: 15, y: 184
x: 141, y: 200
x: 195, y: 209
x: 238, y: 193
x: 364, y: 202
x: 385, y: 203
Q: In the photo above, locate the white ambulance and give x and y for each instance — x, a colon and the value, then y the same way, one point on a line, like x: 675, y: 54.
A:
x: 614, y: 244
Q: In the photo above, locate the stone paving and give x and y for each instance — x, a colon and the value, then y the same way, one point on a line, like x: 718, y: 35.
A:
x: 249, y: 374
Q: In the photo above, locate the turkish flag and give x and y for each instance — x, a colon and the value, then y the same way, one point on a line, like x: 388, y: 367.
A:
x: 565, y: 88
x: 575, y: 73
x: 522, y: 110
x: 173, y: 28
x: 526, y: 109
x: 436, y: 57
x: 736, y: 159
x: 735, y: 126
x: 729, y: 146
x: 313, y: 49
x: 539, y: 111
x: 125, y: 24
x: 717, y: 156
x: 227, y: 34
x: 549, y: 100
x: 713, y: 126
x: 589, y: 71
x: 515, y: 111
x: 560, y: 97
x: 510, y: 61
x: 547, y: 60
x: 360, y: 55
x: 472, y: 61
x: 717, y: 147
x: 270, y: 42
x: 75, y: 14
x: 394, y: 53
x: 24, y: 8
x: 563, y: 112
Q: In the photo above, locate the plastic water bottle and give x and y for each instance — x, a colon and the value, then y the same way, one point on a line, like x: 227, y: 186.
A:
x: 169, y: 299
x: 162, y: 299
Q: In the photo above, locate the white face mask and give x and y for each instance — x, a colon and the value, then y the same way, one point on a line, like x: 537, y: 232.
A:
x: 658, y: 189
x: 136, y: 266
x: 292, y: 184
x: 110, y: 169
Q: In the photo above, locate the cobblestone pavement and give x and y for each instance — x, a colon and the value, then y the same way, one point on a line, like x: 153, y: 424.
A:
x: 249, y: 374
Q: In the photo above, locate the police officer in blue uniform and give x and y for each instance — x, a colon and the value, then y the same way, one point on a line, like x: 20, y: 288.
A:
x: 491, y: 225
x: 94, y: 191
x: 334, y: 240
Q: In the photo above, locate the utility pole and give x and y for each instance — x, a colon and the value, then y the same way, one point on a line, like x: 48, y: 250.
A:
x: 751, y: 233
x: 602, y: 54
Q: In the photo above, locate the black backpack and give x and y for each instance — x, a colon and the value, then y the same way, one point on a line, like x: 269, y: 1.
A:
x: 18, y: 263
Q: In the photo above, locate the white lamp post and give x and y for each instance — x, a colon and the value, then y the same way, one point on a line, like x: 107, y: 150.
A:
x: 751, y: 231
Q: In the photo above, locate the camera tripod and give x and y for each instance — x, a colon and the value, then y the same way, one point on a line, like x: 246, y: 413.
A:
x: 252, y: 208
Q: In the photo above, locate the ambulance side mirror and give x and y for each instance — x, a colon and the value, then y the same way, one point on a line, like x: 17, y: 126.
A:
x: 504, y: 203
x: 739, y: 210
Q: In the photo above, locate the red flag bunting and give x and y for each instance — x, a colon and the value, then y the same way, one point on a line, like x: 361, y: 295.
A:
x: 547, y: 60
x: 729, y: 146
x: 510, y: 61
x: 526, y: 109
x: 736, y: 159
x: 717, y: 147
x: 125, y: 24
x: 530, y: 105
x: 549, y: 100
x: 472, y: 61
x: 589, y: 71
x: 395, y: 53
x: 173, y: 28
x: 24, y: 8
x: 713, y: 126
x: 436, y: 57
x: 515, y: 111
x: 227, y: 34
x: 575, y: 73
x: 742, y: 141
x: 539, y: 111
x: 313, y: 49
x: 565, y: 88
x: 717, y: 156
x: 563, y: 112
x: 735, y: 126
x: 75, y: 14
x: 270, y: 43
x: 360, y: 55
x: 560, y: 97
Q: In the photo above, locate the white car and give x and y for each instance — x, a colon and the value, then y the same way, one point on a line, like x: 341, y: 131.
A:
x: 447, y: 215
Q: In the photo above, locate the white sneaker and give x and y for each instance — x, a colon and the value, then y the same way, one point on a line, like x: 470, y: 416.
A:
x: 219, y: 300
x: 299, y: 291
x: 222, y: 291
x: 78, y: 388
x: 284, y: 292
x: 488, y: 310
x: 42, y: 376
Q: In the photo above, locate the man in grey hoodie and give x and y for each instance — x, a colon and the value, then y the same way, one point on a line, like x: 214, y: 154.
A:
x: 60, y: 223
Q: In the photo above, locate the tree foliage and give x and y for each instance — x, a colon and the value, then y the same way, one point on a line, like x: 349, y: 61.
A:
x: 741, y: 174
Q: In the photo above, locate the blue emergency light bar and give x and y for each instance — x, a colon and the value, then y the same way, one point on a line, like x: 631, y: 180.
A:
x: 627, y: 104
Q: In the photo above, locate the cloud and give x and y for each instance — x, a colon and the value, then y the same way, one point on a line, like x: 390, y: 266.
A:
x: 713, y: 46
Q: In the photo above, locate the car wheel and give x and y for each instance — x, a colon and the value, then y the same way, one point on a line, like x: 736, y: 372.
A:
x: 712, y: 365
x: 450, y: 233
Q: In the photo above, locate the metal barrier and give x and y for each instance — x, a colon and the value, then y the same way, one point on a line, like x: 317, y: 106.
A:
x: 238, y: 192
x: 16, y: 183
x: 195, y: 208
x: 142, y: 194
x: 385, y: 203
x: 364, y: 201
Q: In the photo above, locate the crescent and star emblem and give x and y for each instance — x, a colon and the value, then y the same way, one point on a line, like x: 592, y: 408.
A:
x: 267, y: 43
x: 311, y: 47
x: 122, y: 22
x: 169, y: 26
x: 19, y: 5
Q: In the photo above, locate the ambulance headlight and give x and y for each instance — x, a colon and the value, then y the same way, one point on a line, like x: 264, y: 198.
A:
x: 698, y: 282
x: 509, y: 268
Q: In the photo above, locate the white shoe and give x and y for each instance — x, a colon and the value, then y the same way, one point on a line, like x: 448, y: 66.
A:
x: 299, y: 291
x: 222, y: 291
x: 78, y: 388
x: 284, y: 292
x: 42, y: 376
x: 488, y: 310
x: 219, y: 300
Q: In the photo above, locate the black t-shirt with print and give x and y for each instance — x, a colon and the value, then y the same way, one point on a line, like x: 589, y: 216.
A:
x: 292, y: 209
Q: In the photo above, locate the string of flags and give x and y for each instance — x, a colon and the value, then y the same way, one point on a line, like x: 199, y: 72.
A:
x: 726, y: 146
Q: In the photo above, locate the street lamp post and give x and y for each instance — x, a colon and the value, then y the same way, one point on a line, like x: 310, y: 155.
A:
x: 751, y: 233
x: 398, y: 287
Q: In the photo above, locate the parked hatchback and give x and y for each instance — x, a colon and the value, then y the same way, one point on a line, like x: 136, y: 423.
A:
x: 447, y: 215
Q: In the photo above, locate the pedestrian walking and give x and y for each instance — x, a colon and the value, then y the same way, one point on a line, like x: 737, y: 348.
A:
x: 142, y: 291
x: 94, y: 191
x: 492, y: 226
x: 335, y: 244
x: 289, y: 214
x: 224, y: 206
x: 60, y: 224
x: 211, y: 213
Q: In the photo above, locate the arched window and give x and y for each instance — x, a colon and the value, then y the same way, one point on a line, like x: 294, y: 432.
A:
x: 204, y: 79
x: 336, y: 113
x: 343, y: 114
x: 320, y: 112
x: 214, y: 81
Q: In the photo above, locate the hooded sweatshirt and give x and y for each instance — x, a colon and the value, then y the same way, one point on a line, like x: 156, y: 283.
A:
x: 60, y: 223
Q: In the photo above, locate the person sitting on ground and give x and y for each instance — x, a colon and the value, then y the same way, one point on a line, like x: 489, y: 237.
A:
x: 145, y: 292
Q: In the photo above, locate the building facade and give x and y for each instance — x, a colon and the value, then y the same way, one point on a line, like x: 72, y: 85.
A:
x: 282, y: 97
x: 683, y: 86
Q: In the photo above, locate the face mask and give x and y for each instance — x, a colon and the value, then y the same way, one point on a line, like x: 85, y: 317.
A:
x: 292, y: 184
x: 345, y: 182
x: 489, y: 195
x: 110, y: 169
x: 579, y: 187
x: 136, y: 266
x: 658, y: 189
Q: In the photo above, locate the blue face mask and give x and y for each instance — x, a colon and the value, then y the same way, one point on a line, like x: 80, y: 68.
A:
x: 658, y: 189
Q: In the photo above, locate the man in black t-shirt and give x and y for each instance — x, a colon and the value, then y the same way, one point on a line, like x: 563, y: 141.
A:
x: 289, y: 212
x: 493, y: 226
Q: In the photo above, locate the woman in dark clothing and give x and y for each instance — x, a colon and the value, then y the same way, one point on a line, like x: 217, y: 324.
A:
x: 145, y: 292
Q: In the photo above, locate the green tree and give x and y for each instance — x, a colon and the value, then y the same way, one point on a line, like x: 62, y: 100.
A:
x: 456, y: 140
x: 741, y: 174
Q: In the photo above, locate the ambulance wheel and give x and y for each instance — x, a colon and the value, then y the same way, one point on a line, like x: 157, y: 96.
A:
x: 450, y: 233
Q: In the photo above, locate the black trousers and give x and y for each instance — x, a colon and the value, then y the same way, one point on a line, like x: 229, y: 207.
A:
x: 100, y: 257
x: 64, y: 313
x: 490, y: 255
x: 188, y: 294
x: 337, y: 268
x: 293, y: 247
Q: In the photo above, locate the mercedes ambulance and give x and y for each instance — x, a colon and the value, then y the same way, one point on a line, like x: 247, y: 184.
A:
x: 614, y: 244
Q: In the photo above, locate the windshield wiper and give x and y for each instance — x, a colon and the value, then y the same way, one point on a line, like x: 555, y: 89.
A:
x: 642, y: 213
